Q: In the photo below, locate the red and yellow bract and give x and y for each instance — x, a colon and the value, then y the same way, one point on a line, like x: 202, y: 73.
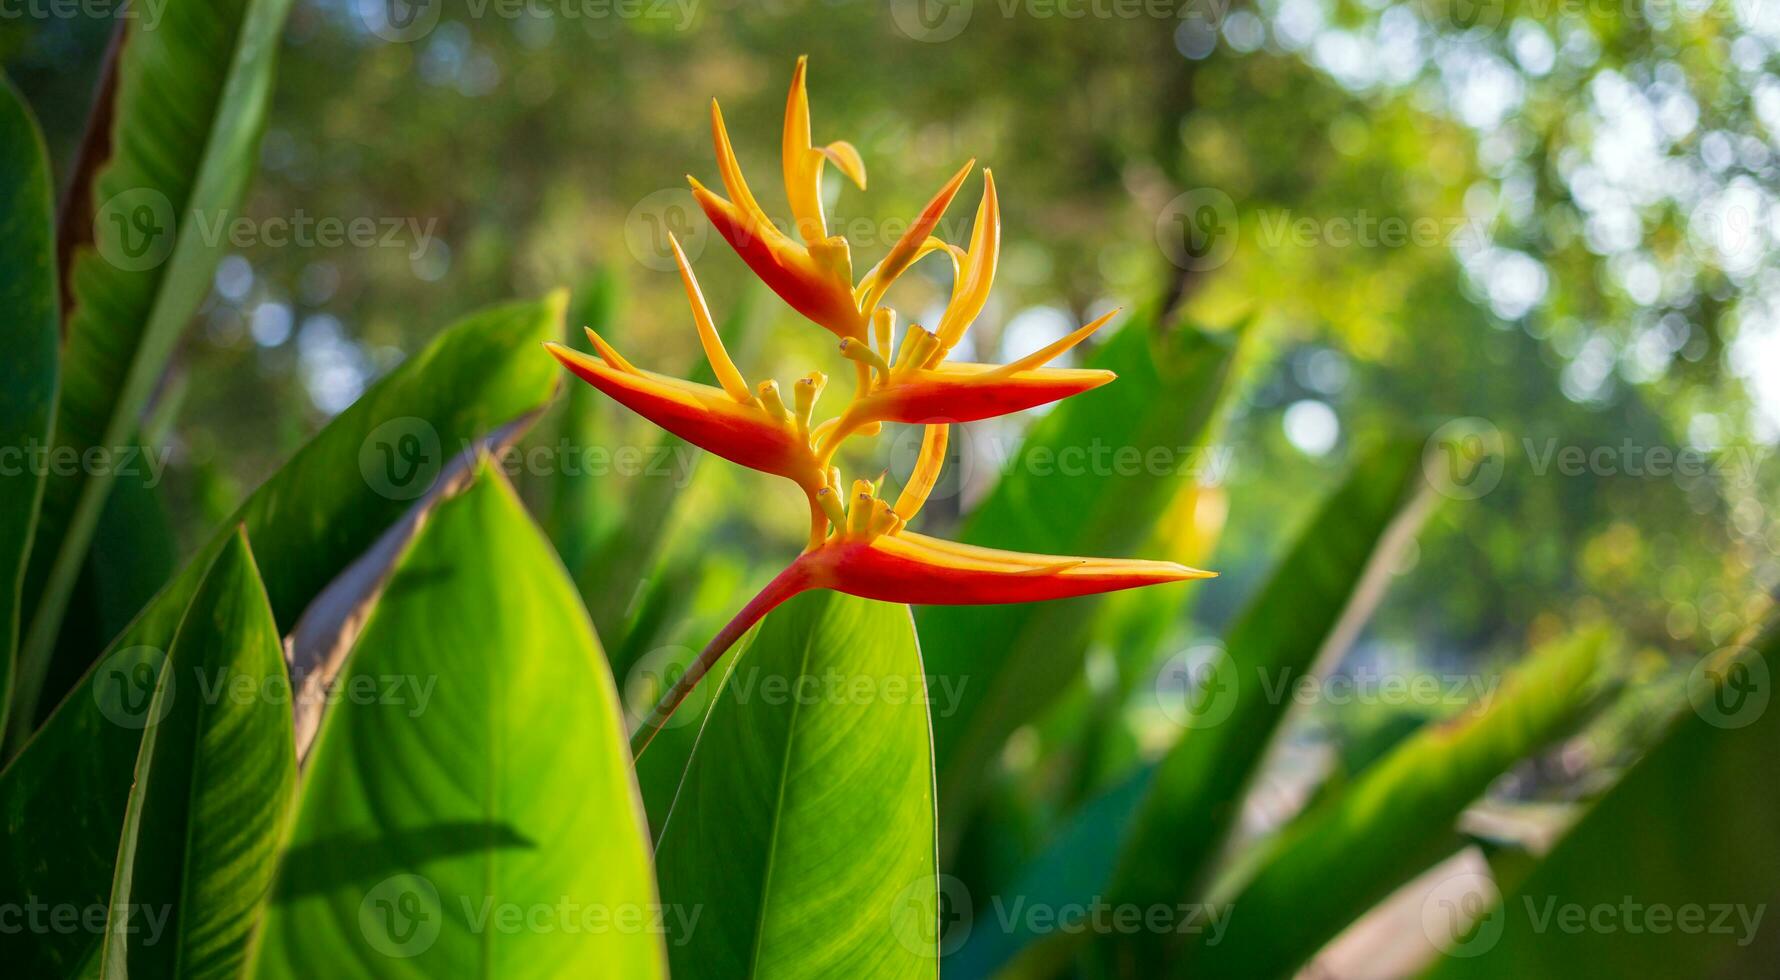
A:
x: 859, y: 544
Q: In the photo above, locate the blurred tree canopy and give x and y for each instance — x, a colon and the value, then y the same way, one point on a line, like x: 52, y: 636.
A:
x: 1554, y: 218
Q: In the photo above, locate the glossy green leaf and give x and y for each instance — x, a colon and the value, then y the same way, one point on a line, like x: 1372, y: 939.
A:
x: 1090, y: 479
x: 804, y: 828
x: 1168, y: 820
x: 470, y: 810
x: 1071, y: 870
x: 1331, y: 577
x: 213, y: 783
x: 63, y: 796
x: 1395, y: 821
x: 191, y: 97
x: 28, y: 332
x: 1676, y: 871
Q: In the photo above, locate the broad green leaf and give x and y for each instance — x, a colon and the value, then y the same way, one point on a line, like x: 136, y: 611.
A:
x: 1676, y: 871
x: 62, y: 798
x: 804, y: 828
x: 28, y: 371
x: 471, y: 812
x: 1395, y: 821
x: 1004, y: 938
x: 192, y: 88
x: 213, y: 783
x: 1318, y: 594
x: 1319, y: 583
x: 1091, y: 478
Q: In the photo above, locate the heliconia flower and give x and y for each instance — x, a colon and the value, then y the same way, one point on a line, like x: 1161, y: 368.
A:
x: 814, y: 274
x: 752, y: 428
x: 872, y: 556
x: 917, y: 388
x: 859, y: 545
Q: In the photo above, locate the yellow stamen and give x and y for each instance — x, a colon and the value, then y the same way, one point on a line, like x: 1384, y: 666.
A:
x: 804, y: 394
x: 926, y: 472
x: 859, y: 512
x: 830, y: 503
x: 917, y: 344
x: 853, y: 350
x: 611, y: 356
x: 882, y: 518
x: 769, y: 398
x: 1039, y: 358
x: 727, y: 375
x: 883, y: 322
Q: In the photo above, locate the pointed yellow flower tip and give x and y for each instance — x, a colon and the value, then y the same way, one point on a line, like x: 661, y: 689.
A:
x: 970, y: 287
x: 914, y: 568
x: 963, y: 392
x: 746, y: 433
x: 815, y: 275
x: 914, y: 242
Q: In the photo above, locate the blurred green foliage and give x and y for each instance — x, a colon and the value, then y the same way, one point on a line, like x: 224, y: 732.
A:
x: 1553, y: 218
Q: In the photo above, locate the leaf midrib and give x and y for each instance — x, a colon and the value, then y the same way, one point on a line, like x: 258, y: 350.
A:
x: 772, y: 847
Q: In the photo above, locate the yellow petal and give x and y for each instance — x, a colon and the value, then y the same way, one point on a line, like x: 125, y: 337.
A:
x: 731, y: 379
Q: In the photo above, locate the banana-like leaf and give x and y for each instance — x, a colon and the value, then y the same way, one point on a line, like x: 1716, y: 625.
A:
x: 29, y: 369
x: 1315, y: 599
x: 213, y: 783
x: 1676, y: 871
x: 804, y: 828
x: 471, y: 811
x: 1003, y: 939
x: 191, y: 96
x: 63, y: 796
x: 1395, y: 821
x: 1091, y: 478
x: 1327, y: 583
